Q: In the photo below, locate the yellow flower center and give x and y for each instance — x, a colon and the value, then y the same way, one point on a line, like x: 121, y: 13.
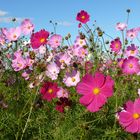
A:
x: 42, y: 40
x: 132, y: 52
x: 14, y: 36
x: 73, y: 79
x: 130, y: 65
x: 96, y: 91
x: 136, y: 116
x: 19, y: 65
x: 83, y: 17
x: 81, y: 42
x: 50, y: 91
x: 62, y: 61
x: 117, y: 45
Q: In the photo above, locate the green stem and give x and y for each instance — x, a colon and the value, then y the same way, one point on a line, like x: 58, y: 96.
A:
x: 30, y: 112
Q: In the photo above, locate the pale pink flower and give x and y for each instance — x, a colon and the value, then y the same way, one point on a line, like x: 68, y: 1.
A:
x: 62, y: 93
x: 42, y: 49
x: 72, y: 79
x: 55, y: 41
x: 52, y: 71
x: 133, y: 33
x: 27, y: 26
x: 25, y: 75
x: 64, y: 59
x: 79, y: 42
x: 12, y: 34
x: 121, y: 26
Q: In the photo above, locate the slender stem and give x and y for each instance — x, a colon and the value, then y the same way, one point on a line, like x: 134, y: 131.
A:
x: 30, y: 112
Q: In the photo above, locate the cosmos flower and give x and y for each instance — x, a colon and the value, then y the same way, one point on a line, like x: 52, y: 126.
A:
x: 52, y: 70
x: 131, y: 65
x: 121, y: 26
x: 71, y: 79
x: 116, y: 45
x: 18, y: 64
x: 133, y: 33
x: 129, y: 118
x: 79, y: 42
x: 55, y: 41
x: 27, y: 26
x: 39, y: 38
x: 49, y: 90
x: 95, y: 90
x: 83, y: 17
x: 12, y: 34
x: 2, y: 40
x: 120, y: 62
x: 64, y: 60
x: 62, y: 93
x: 131, y: 50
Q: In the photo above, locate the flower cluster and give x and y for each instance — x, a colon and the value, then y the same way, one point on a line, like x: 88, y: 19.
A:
x: 90, y: 66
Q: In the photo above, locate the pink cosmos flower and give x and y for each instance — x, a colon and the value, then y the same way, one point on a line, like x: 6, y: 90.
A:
x: 2, y: 40
x: 133, y: 33
x: 62, y: 93
x: 29, y: 62
x: 27, y: 26
x: 42, y: 49
x: 71, y: 79
x: 95, y: 90
x: 52, y: 71
x: 12, y: 34
x: 83, y: 17
x: 129, y: 118
x: 131, y: 50
x: 121, y: 26
x: 64, y: 60
x: 39, y: 38
x: 55, y: 41
x: 18, y: 64
x: 25, y: 75
x: 116, y: 45
x: 79, y: 42
x: 49, y: 90
x: 120, y: 62
x: 131, y: 65
x: 139, y: 92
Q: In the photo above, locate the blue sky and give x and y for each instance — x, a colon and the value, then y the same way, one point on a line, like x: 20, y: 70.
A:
x: 106, y: 12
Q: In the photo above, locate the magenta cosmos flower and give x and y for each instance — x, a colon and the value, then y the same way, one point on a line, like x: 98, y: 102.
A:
x: 12, y: 34
x: 27, y: 26
x: 131, y: 65
x: 133, y: 33
x: 129, y: 118
x: 49, y: 90
x: 116, y: 45
x: 39, y: 38
x: 121, y: 26
x: 83, y: 17
x: 131, y: 50
x: 95, y: 90
x: 55, y: 41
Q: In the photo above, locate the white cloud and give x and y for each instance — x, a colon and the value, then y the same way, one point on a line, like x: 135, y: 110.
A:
x: 3, y: 13
x: 10, y: 19
x: 65, y: 23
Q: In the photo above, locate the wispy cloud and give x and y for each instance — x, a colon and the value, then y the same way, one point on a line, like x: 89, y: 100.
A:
x: 10, y: 19
x: 3, y: 13
x: 65, y: 23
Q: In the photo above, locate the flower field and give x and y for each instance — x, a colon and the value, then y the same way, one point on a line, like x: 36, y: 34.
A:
x: 53, y: 88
